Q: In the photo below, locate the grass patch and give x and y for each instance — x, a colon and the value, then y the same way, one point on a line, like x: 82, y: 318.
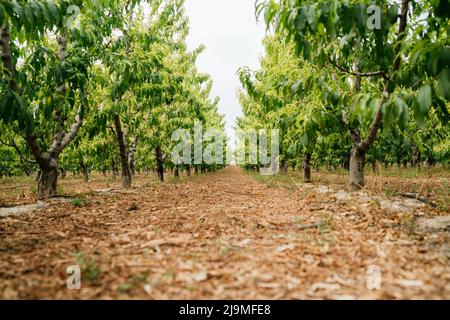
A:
x: 78, y: 202
x: 88, y: 266
x: 135, y: 281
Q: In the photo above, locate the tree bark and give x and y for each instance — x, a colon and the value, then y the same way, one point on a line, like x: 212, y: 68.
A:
x: 63, y: 173
x: 131, y: 156
x: 307, y: 167
x: 374, y: 166
x: 113, y: 167
x: 48, y: 179
x: 283, y: 167
x: 357, y: 163
x: 84, y: 170
x: 159, y: 163
x: 126, y: 174
x: 38, y: 175
x: 177, y: 171
x: 416, y: 156
x: 188, y: 170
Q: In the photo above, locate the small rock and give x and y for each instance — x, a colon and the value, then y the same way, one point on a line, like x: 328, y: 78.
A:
x: 434, y: 224
x: 243, y: 243
x: 343, y: 196
x: 148, y: 288
x: 200, y: 276
x: 394, y: 206
x: 323, y: 189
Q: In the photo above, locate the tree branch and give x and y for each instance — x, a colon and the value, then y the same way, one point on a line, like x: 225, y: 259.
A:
x: 358, y: 74
x: 72, y: 133
x: 13, y: 144
x: 32, y: 142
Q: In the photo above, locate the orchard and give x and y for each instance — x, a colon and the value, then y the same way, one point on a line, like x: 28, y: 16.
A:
x: 124, y: 175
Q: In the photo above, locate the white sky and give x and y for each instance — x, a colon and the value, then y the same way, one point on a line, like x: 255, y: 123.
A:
x: 233, y: 39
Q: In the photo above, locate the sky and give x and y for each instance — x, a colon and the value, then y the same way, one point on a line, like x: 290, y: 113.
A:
x: 233, y: 39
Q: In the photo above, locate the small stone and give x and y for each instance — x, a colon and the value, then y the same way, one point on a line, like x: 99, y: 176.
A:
x: 434, y: 224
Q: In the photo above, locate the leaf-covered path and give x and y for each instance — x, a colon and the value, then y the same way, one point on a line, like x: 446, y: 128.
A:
x: 223, y: 235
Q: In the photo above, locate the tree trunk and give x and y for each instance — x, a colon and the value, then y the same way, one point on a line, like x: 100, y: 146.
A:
x: 357, y: 162
x: 416, y: 156
x: 188, y: 170
x: 63, y: 173
x: 159, y: 163
x: 84, y: 170
x: 346, y: 164
x: 307, y: 168
x: 177, y: 171
x: 195, y: 169
x: 131, y: 157
x: 48, y: 179
x: 126, y: 174
x: 374, y: 166
x: 113, y: 164
x: 283, y: 167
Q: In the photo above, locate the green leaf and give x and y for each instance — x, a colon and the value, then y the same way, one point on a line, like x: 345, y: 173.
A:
x: 424, y: 99
x: 403, y: 112
x: 305, y: 139
x: 444, y: 83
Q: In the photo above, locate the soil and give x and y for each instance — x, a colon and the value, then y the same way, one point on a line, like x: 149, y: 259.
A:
x: 224, y: 235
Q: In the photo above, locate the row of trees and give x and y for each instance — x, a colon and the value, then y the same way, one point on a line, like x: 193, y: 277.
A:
x: 351, y: 82
x: 97, y: 85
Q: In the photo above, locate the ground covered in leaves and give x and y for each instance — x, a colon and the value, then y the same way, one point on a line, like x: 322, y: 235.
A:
x: 228, y: 235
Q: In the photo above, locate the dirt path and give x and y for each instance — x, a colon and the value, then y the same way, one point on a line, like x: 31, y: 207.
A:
x: 220, y: 236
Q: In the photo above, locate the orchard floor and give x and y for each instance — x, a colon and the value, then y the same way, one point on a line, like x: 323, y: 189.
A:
x: 227, y: 235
